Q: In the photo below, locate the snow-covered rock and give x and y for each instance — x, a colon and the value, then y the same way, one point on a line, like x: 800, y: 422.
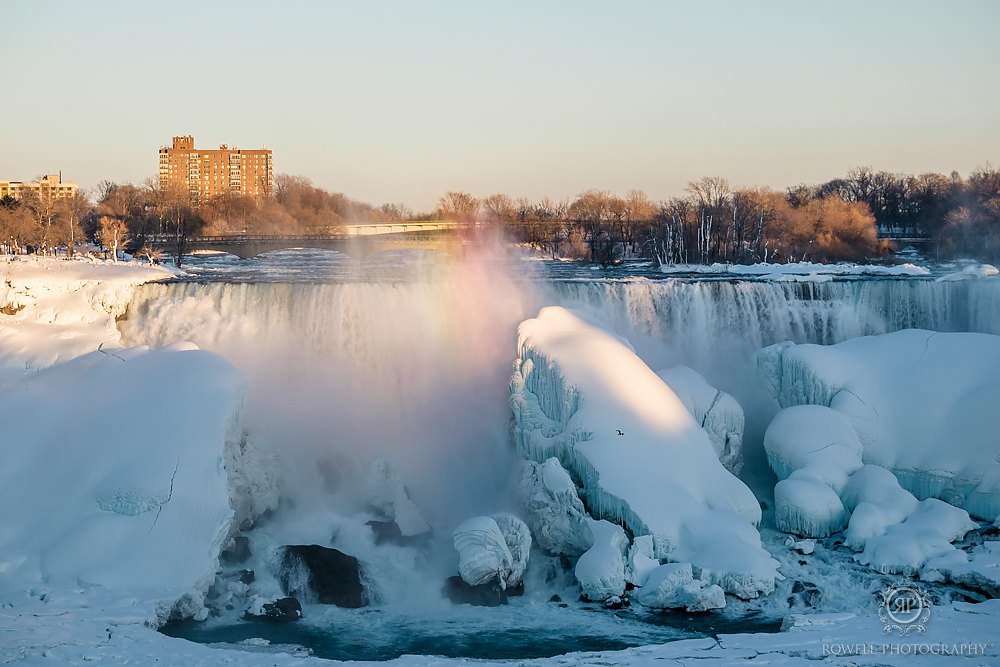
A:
x: 113, y: 471
x: 578, y: 393
x: 979, y: 569
x: 813, y: 438
x: 673, y: 586
x: 483, y: 554
x: 926, y: 533
x: 601, y: 570
x: 640, y: 559
x: 804, y: 505
x: 922, y: 404
x: 518, y: 538
x: 715, y: 411
x: 553, y: 509
x: 492, y: 548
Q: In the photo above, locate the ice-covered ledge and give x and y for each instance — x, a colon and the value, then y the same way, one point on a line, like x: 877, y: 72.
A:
x: 124, y: 469
x: 579, y: 394
x: 57, y: 309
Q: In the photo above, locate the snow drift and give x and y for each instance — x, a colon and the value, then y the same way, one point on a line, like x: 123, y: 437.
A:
x: 580, y: 394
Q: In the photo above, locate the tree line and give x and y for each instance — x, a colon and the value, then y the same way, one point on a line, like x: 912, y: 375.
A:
x: 842, y: 219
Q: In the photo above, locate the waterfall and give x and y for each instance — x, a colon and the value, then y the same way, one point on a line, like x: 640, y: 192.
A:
x: 344, y: 374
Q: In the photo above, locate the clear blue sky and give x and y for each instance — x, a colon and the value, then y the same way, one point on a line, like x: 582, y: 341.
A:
x: 401, y: 101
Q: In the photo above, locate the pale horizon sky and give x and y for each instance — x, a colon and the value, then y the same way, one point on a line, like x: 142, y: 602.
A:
x: 396, y: 101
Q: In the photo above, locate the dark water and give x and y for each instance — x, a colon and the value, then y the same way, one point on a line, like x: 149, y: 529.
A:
x: 520, y: 631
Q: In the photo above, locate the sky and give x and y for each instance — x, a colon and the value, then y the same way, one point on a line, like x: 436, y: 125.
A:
x: 401, y: 101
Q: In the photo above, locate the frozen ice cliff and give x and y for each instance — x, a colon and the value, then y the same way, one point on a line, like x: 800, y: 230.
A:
x: 581, y: 395
x: 125, y: 469
x: 715, y: 411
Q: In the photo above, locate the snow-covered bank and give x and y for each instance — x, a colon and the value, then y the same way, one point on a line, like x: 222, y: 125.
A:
x: 56, y: 309
x: 122, y: 466
x: 803, y: 271
x: 113, y: 473
x: 581, y: 395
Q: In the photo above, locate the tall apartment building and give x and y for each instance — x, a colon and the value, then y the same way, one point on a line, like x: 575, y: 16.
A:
x: 49, y: 185
x: 206, y: 174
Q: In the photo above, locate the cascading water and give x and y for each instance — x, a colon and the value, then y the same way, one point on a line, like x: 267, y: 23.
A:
x: 415, y: 372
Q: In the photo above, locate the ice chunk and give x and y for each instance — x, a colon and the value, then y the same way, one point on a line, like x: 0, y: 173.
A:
x: 673, y: 586
x: 581, y: 395
x: 877, y: 501
x: 601, y: 570
x: 714, y: 410
x: 518, y: 539
x: 640, y: 559
x: 554, y: 512
x: 483, y: 554
x: 925, y: 534
x: 979, y: 569
x: 813, y: 436
x: 806, y: 506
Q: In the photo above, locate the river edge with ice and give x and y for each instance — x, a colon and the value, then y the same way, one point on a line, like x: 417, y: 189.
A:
x: 71, y: 607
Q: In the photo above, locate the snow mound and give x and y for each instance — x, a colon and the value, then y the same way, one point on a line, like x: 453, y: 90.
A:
x: 926, y: 533
x: 715, y: 411
x: 553, y: 509
x: 581, y: 395
x: 922, y: 404
x: 55, y: 309
x: 86, y: 500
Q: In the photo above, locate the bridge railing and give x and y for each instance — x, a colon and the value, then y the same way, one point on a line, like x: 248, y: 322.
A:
x: 331, y: 232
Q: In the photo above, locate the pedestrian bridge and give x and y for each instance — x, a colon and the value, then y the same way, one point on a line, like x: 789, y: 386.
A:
x: 352, y: 239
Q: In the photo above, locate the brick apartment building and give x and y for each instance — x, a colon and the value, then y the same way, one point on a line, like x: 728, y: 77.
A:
x: 209, y: 173
x: 48, y: 186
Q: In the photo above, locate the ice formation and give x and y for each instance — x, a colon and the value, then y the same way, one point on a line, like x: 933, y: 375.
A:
x: 914, y: 406
x: 581, y: 395
x: 143, y: 507
x: 387, y: 493
x: 716, y: 411
x: 979, y: 569
x: 601, y: 570
x: 553, y: 509
x: 492, y: 547
x: 922, y: 405
x: 673, y: 586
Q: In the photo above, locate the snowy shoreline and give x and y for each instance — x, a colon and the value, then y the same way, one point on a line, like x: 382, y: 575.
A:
x: 63, y: 311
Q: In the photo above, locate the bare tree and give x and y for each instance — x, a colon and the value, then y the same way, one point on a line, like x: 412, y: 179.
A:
x: 113, y: 233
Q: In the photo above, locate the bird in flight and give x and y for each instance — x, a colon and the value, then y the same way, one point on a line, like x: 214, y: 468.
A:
x: 619, y: 431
